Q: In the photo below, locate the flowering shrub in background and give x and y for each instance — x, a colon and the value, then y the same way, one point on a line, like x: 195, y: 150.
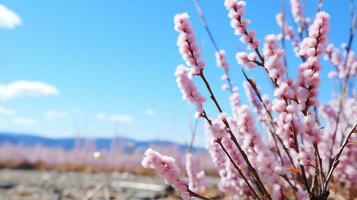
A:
x: 305, y: 150
x: 86, y: 157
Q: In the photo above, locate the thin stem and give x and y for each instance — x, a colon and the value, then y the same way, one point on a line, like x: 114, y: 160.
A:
x: 229, y: 130
x: 246, y: 159
x: 194, y: 194
x: 269, y: 124
x: 270, y: 116
x: 209, y: 121
x: 219, y: 141
x: 210, y: 92
x: 204, y: 23
x: 296, y: 147
x: 262, y: 64
x: 283, y: 38
x: 319, y: 5
x: 304, y: 178
x: 337, y: 156
x: 193, y: 134
x: 319, y: 163
x: 344, y: 87
x: 210, y: 35
x: 291, y: 185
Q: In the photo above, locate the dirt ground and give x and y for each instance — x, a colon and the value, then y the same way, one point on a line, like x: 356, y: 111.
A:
x: 51, y: 185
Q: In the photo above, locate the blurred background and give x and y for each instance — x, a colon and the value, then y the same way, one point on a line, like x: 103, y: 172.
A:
x: 87, y: 86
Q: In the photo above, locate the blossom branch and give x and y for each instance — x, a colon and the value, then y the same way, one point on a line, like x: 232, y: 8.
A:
x: 344, y: 87
x: 220, y: 54
x: 336, y: 158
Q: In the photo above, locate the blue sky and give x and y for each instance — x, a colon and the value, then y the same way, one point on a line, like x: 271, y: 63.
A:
x: 107, y: 66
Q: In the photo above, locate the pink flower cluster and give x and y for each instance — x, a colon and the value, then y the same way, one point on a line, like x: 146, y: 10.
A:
x: 296, y: 10
x: 236, y: 13
x: 221, y: 60
x: 333, y: 54
x: 188, y: 88
x: 217, y: 129
x: 312, y: 46
x: 304, y: 142
x: 187, y: 43
x: 308, y: 81
x: 248, y: 60
x: 231, y: 180
x: 256, y: 149
x: 274, y: 57
x: 287, y: 30
x: 252, y: 97
x: 167, y: 168
x: 309, y: 72
x: 286, y: 119
x: 235, y: 102
x: 298, y: 16
x: 311, y: 129
x: 195, y: 179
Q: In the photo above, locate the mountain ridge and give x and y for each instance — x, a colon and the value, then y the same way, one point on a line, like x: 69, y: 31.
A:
x: 70, y: 142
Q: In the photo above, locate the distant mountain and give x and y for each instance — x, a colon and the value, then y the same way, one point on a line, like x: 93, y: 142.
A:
x: 69, y: 143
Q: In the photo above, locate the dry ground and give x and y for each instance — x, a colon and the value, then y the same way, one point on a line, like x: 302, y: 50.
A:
x: 51, y: 185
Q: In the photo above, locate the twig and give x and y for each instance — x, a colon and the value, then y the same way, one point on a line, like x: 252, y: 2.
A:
x: 337, y: 156
x: 213, y: 41
x: 229, y: 130
x: 218, y: 141
x: 283, y: 36
x: 193, y: 194
x: 344, y: 87
x: 193, y: 130
x: 319, y: 5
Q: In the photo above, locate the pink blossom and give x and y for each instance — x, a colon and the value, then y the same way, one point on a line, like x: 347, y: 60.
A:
x: 195, y: 178
x: 305, y: 158
x: 216, y: 129
x: 187, y: 43
x: 221, y: 60
x: 246, y: 59
x: 238, y: 144
x: 188, y: 88
x: 285, y: 120
x: 308, y: 81
x: 225, y: 87
x: 287, y: 30
x: 274, y: 57
x: 235, y: 102
x: 236, y: 13
x: 312, y: 45
x: 334, y: 55
x: 311, y: 129
x: 309, y: 72
x: 224, y: 77
x: 166, y: 167
x: 296, y: 10
x: 217, y: 154
x: 232, y: 181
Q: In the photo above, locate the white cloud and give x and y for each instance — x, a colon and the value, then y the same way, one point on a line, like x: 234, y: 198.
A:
x: 115, y: 118
x: 150, y: 112
x: 6, y: 112
x: 8, y: 18
x: 26, y: 89
x: 25, y: 121
x: 53, y: 115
